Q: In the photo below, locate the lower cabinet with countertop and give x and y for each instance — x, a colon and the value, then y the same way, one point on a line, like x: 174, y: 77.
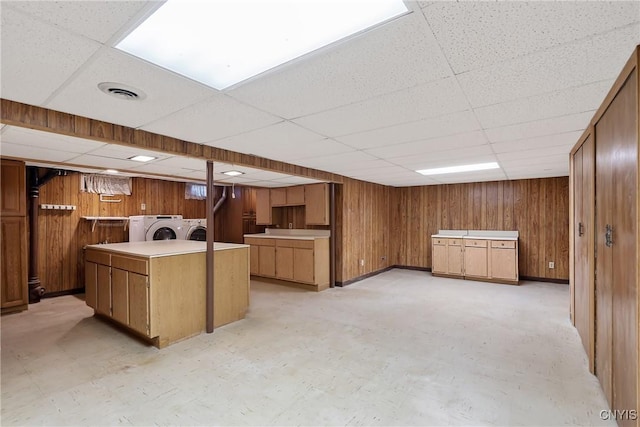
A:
x: 302, y: 260
x: 476, y: 255
x: 157, y: 289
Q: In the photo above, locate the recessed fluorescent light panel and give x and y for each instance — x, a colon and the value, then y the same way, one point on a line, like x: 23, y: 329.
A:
x: 463, y: 168
x: 233, y: 173
x: 111, y: 171
x: 142, y: 158
x: 221, y: 43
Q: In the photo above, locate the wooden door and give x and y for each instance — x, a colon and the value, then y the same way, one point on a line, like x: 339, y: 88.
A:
x: 267, y: 260
x: 13, y: 197
x: 120, y: 296
x: 139, y: 314
x: 103, y: 304
x: 254, y: 259
x: 91, y: 284
x: 316, y: 204
x: 439, y: 256
x: 13, y: 279
x: 284, y: 263
x: 295, y: 195
x: 475, y: 258
x: 454, y: 257
x: 584, y: 292
x: 303, y: 265
x: 263, y: 206
x: 278, y: 196
x: 503, y: 261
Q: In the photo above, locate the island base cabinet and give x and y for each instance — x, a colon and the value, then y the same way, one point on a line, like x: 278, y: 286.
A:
x: 91, y: 284
x: 139, y: 303
x: 120, y: 296
x: 103, y: 293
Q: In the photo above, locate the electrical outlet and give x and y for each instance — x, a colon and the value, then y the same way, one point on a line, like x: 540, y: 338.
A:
x: 552, y: 264
x: 362, y: 263
x: 143, y: 207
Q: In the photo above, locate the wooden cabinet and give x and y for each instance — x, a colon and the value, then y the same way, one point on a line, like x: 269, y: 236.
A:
x: 486, y: 259
x: 475, y: 258
x: 301, y: 261
x: 13, y: 237
x: 138, y: 297
x: 13, y: 198
x: 288, y: 196
x: 13, y: 242
x: 263, y: 207
x: 317, y: 204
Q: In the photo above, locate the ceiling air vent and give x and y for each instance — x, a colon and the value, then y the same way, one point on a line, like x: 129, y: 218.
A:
x: 121, y: 91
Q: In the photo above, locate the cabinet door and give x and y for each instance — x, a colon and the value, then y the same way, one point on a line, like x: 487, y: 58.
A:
x: 263, y: 206
x: 13, y: 197
x: 254, y: 259
x: 267, y: 261
x: 316, y: 204
x: 139, y: 304
x: 303, y: 265
x: 295, y: 195
x: 454, y: 258
x: 284, y: 263
x: 475, y: 258
x: 503, y: 263
x: 13, y: 243
x: 103, y: 304
x: 119, y: 296
x: 91, y: 284
x: 278, y: 197
x: 439, y: 256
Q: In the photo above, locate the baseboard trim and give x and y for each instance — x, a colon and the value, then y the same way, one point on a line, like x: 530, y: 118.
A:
x: 407, y: 267
x: 545, y: 279
x: 365, y: 276
x: 63, y: 293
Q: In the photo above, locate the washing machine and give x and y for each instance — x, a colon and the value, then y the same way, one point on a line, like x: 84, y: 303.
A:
x: 195, y: 229
x: 155, y: 227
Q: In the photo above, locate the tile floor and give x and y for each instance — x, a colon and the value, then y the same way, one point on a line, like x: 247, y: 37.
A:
x: 400, y: 348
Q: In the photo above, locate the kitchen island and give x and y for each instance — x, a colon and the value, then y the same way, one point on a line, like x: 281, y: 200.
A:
x: 157, y: 289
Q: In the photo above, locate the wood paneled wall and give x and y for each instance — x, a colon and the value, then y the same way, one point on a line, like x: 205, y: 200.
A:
x: 63, y: 234
x: 362, y: 227
x: 537, y: 208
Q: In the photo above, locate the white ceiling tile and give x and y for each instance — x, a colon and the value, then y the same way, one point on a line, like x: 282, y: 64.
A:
x: 529, y: 155
x: 294, y: 180
x: 449, y: 124
x: 536, y: 162
x: 123, y: 152
x: 575, y: 64
x: 37, y: 58
x: 400, y: 54
x: 386, y: 172
x: 284, y: 141
x: 22, y: 151
x: 40, y: 139
x: 447, y: 143
x: 420, y: 102
x: 97, y: 20
x: 455, y: 178
x: 461, y: 156
x: 566, y: 140
x: 540, y: 128
x: 569, y: 101
x: 217, y: 117
x: 165, y: 92
x: 342, y: 163
x: 179, y: 162
x: 538, y: 174
x: 477, y: 34
x: 104, y: 162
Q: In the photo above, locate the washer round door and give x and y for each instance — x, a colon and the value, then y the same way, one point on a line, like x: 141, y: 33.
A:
x: 164, y: 233
x: 199, y: 234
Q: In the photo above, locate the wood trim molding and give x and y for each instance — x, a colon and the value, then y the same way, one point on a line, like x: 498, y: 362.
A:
x: 29, y: 116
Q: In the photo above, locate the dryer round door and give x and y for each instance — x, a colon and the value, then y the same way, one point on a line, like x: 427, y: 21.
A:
x: 198, y: 233
x: 162, y: 230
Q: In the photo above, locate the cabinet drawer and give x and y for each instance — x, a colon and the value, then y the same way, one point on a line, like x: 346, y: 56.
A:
x: 438, y: 241
x: 256, y: 241
x: 135, y: 265
x: 505, y: 244
x: 455, y: 242
x: 478, y: 243
x: 99, y: 257
x: 286, y: 243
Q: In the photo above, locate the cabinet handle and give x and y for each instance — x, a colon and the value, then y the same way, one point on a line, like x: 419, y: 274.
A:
x: 580, y: 229
x: 608, y: 236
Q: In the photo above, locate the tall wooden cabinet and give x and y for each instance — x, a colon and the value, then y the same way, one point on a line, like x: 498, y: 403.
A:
x: 605, y: 236
x: 13, y: 235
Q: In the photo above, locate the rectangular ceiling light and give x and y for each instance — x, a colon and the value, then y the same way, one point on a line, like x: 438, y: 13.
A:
x: 233, y: 173
x: 223, y: 42
x: 463, y: 168
x: 142, y: 158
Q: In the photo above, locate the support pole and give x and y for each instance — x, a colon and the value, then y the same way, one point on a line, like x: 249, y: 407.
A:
x: 36, y: 290
x: 211, y: 196
x: 332, y: 238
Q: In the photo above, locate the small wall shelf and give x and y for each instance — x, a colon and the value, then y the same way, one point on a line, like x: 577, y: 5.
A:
x: 58, y: 207
x: 122, y: 220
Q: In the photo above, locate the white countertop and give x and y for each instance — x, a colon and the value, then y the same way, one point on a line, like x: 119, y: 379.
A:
x: 477, y: 234
x: 275, y: 236
x: 448, y: 236
x: 160, y: 248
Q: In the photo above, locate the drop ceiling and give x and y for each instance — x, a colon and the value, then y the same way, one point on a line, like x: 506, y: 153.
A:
x: 450, y: 83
